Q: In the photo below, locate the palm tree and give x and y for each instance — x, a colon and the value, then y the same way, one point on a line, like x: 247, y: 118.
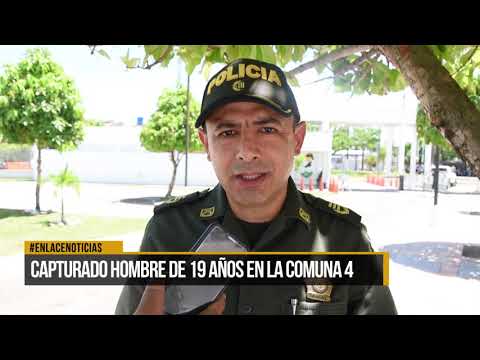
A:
x: 65, y: 179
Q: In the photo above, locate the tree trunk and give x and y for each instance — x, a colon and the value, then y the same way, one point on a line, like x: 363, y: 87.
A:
x: 363, y: 155
x: 63, y: 217
x: 172, y: 181
x: 39, y: 174
x: 446, y: 104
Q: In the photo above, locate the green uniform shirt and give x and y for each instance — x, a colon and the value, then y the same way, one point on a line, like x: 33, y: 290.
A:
x: 305, y: 223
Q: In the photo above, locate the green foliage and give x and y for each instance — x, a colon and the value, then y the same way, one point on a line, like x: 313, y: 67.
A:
x: 165, y: 131
x: 65, y: 179
x: 192, y: 56
x: 358, y: 73
x: 298, y: 161
x: 374, y: 75
x: 371, y: 161
x: 341, y: 139
x: 365, y: 138
x: 93, y: 122
x: 383, y: 152
x: 312, y: 127
x: 463, y: 62
x: 362, y: 138
x: 428, y: 134
x: 206, y: 55
x: 39, y: 104
x: 16, y: 226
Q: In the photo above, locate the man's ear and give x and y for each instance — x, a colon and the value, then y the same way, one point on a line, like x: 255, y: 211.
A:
x: 299, y: 134
x: 204, y: 139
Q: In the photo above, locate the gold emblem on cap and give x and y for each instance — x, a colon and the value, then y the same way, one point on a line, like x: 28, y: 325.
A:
x: 238, y: 85
x: 319, y: 292
x: 304, y: 215
x: 339, y: 209
x: 207, y: 212
x: 242, y: 70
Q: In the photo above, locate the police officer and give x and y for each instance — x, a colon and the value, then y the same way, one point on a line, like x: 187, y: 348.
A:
x: 251, y: 129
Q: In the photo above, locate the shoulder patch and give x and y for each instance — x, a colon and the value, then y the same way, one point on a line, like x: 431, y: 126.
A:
x: 179, y: 200
x: 332, y: 208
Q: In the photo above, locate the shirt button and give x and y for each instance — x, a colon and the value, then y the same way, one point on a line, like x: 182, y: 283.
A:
x: 247, y: 309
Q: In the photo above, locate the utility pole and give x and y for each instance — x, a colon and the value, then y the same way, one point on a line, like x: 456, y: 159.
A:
x: 187, y: 128
x: 436, y: 174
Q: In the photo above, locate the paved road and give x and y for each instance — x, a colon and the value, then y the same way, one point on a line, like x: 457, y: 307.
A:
x: 392, y: 218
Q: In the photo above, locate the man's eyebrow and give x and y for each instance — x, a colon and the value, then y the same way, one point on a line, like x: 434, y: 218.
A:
x: 222, y: 124
x: 267, y: 120
x: 228, y: 124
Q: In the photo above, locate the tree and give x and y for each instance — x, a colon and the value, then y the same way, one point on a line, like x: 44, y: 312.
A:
x: 440, y: 76
x: 371, y: 161
x: 365, y: 139
x: 341, y: 139
x: 165, y: 131
x: 428, y: 134
x: 39, y: 105
x: 382, y: 154
x: 65, y: 179
x: 298, y: 161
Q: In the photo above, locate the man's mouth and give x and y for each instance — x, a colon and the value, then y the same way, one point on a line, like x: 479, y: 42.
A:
x: 250, y: 178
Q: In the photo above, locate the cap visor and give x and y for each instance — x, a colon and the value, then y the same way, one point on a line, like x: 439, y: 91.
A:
x: 241, y: 98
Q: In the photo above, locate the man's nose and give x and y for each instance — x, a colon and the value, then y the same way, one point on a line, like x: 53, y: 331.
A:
x: 248, y: 148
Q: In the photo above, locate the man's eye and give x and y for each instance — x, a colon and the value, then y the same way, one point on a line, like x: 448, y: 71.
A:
x: 268, y: 130
x: 227, y: 133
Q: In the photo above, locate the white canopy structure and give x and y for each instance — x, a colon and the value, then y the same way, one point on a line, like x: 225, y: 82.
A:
x: 394, y: 114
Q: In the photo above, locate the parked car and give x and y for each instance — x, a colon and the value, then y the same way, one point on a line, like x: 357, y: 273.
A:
x: 449, y: 172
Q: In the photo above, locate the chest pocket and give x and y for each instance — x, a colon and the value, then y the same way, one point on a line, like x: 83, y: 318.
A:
x: 319, y: 308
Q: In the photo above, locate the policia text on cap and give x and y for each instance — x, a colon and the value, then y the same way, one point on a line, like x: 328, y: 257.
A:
x: 251, y: 129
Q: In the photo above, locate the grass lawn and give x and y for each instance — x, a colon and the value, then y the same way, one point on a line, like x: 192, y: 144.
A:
x: 16, y: 226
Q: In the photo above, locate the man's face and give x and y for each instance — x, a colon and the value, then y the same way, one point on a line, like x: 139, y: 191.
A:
x: 251, y: 148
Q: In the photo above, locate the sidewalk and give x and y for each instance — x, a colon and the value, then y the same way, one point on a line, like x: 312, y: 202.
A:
x: 392, y: 218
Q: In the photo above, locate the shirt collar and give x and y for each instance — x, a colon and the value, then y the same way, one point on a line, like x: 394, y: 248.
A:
x: 294, y: 207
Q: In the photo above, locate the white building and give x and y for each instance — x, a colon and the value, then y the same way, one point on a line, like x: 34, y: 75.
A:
x: 394, y: 114
x: 113, y: 154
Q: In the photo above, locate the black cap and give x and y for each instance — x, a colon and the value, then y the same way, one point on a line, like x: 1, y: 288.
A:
x: 249, y: 80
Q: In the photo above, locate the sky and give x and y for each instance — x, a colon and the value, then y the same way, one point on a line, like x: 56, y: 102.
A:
x: 111, y: 92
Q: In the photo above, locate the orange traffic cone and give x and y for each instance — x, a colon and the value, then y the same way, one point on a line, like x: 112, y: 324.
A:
x: 333, y: 185
x: 301, y: 183
x: 330, y: 185
x: 310, y: 184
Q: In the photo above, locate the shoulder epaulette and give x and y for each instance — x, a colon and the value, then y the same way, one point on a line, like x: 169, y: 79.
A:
x: 179, y: 200
x: 332, y: 208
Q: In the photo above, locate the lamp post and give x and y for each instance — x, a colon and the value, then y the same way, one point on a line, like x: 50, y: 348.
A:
x: 187, y: 128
